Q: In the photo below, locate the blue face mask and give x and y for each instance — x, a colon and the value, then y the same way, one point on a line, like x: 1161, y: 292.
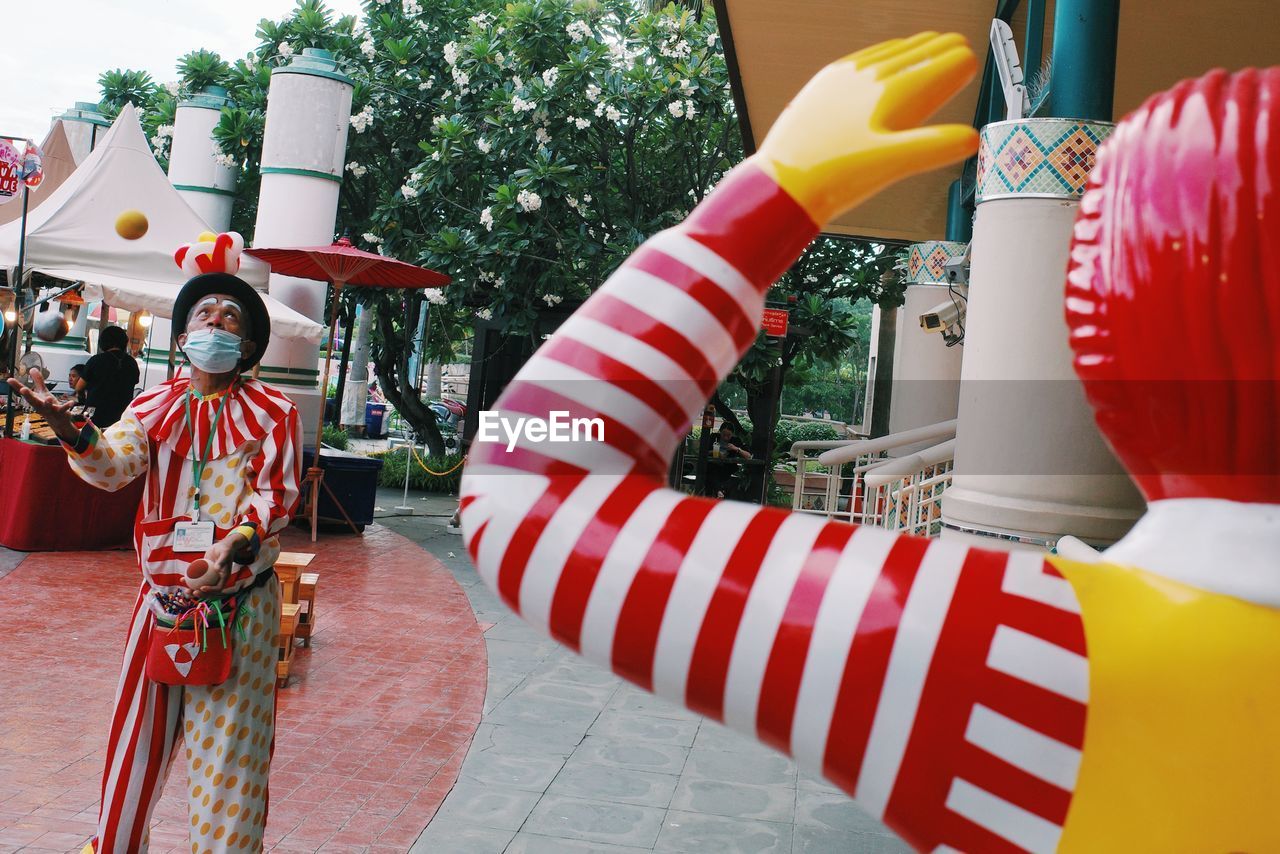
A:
x: 214, y: 351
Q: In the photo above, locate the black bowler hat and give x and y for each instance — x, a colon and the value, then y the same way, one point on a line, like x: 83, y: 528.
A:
x: 201, y: 286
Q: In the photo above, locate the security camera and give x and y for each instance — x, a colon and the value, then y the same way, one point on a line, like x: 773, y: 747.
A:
x: 942, y: 315
x: 947, y: 318
x: 957, y: 269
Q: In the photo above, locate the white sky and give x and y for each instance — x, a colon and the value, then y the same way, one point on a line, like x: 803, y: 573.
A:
x: 53, y: 52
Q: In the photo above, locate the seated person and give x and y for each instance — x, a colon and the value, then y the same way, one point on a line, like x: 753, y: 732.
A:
x: 723, y: 463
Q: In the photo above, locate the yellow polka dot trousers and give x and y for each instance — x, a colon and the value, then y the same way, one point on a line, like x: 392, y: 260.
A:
x: 225, y: 732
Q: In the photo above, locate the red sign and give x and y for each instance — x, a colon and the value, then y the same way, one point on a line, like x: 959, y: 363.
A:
x: 10, y: 171
x: 775, y: 322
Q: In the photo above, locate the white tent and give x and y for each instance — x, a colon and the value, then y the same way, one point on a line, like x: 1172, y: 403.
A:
x: 72, y: 234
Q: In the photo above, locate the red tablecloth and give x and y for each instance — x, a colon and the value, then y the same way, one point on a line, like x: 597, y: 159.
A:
x: 45, y: 507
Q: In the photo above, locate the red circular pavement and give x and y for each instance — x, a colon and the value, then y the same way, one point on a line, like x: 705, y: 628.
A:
x: 371, y: 730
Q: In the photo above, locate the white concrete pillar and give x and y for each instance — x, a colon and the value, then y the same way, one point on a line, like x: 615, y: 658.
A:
x: 84, y: 126
x: 926, y: 372
x: 308, y: 113
x: 1030, y: 463
x: 206, y: 186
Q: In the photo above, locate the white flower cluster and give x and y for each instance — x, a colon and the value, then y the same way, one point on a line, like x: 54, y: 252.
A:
x: 520, y: 105
x: 165, y: 131
x: 409, y: 191
x: 593, y: 92
x: 578, y: 31
x: 711, y: 39
x: 435, y: 296
x: 486, y: 218
x: 542, y: 136
x: 517, y: 82
x: 550, y: 76
x: 435, y: 155
x: 370, y: 237
x: 361, y: 120
x: 682, y: 109
x: 367, y: 47
x: 356, y: 169
x: 460, y: 77
x: 412, y: 7
x: 528, y: 200
x: 686, y: 88
x: 451, y: 53
x: 484, y: 314
x: 224, y: 160
x: 673, y: 46
x: 580, y: 123
x: 484, y: 145
x: 484, y: 19
x: 552, y: 299
x: 608, y: 111
x: 285, y: 49
x: 497, y: 281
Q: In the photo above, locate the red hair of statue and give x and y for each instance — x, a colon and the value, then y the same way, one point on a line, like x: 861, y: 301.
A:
x: 1173, y: 289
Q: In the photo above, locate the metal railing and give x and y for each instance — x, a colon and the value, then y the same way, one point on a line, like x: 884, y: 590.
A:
x: 859, y: 482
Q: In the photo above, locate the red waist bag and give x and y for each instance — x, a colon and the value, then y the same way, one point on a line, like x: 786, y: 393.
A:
x: 196, y: 649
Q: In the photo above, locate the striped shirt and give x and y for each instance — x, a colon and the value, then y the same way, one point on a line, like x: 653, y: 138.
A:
x: 251, y: 476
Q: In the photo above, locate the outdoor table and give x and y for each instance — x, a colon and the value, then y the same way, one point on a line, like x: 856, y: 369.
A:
x: 45, y: 507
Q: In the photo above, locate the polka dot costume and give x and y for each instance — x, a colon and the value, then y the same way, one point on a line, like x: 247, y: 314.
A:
x: 224, y: 733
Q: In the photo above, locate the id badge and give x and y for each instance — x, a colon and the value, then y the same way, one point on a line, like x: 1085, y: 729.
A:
x: 192, y: 536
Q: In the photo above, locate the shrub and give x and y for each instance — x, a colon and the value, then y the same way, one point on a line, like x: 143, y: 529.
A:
x: 393, y: 464
x: 335, y: 437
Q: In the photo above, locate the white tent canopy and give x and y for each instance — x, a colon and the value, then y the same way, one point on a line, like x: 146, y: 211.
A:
x: 72, y: 234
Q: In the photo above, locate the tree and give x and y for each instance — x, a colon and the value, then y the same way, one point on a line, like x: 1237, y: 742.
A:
x: 523, y: 148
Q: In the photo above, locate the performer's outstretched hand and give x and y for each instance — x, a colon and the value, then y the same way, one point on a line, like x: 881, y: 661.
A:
x: 221, y: 556
x: 56, y: 413
x: 854, y: 129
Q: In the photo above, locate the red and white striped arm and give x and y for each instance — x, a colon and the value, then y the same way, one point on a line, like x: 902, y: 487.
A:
x: 943, y: 687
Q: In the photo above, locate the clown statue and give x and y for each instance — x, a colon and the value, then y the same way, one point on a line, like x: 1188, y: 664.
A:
x: 220, y: 455
x: 972, y: 700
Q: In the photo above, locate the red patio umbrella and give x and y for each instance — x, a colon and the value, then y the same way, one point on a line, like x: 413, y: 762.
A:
x: 341, y: 264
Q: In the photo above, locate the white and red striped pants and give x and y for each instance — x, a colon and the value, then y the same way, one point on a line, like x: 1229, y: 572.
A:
x: 228, y: 731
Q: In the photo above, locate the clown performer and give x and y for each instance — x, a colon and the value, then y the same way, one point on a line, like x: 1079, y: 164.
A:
x: 971, y: 699
x: 220, y: 454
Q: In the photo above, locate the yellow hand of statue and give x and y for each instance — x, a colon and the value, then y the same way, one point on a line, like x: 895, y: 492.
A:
x: 854, y: 129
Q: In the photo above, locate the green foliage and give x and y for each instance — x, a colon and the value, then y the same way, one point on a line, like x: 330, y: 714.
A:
x: 336, y: 437
x: 392, y: 474
x: 125, y: 86
x: 201, y: 68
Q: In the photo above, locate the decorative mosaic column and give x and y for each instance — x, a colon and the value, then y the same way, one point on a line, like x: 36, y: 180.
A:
x: 305, y: 140
x: 1030, y: 463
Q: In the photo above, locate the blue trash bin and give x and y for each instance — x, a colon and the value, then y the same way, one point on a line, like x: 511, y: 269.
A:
x: 352, y: 479
x: 375, y: 415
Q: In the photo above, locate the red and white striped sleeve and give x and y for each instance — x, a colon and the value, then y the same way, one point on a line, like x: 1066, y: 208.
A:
x: 275, y: 477
x: 943, y: 687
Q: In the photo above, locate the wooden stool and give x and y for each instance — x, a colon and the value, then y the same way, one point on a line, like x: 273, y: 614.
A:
x: 288, y: 566
x: 284, y: 641
x: 307, y: 582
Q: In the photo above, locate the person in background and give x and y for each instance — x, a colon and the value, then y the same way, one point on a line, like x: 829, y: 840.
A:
x: 109, y: 377
x: 723, y: 463
x: 76, y: 383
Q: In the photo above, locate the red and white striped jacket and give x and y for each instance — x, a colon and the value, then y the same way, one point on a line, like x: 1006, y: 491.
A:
x: 251, y: 477
x: 943, y: 687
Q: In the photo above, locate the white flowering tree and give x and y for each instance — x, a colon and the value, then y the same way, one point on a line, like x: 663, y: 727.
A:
x: 524, y: 148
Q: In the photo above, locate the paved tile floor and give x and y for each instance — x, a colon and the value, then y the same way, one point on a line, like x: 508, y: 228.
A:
x: 371, y: 730
x: 570, y: 758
